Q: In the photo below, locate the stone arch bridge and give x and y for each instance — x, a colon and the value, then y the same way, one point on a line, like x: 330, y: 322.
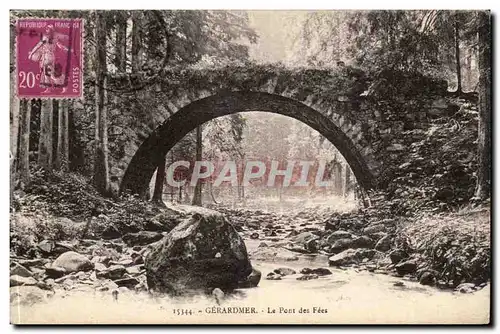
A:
x: 365, y: 125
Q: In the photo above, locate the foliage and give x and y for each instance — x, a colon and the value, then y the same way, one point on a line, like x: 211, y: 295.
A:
x: 456, y: 245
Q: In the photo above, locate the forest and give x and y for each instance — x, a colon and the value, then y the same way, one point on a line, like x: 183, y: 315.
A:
x: 427, y: 217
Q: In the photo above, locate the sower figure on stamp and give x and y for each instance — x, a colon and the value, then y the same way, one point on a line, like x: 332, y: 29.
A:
x: 44, y: 52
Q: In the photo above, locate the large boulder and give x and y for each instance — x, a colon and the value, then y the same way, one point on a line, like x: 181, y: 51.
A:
x: 73, y: 262
x: 202, y: 252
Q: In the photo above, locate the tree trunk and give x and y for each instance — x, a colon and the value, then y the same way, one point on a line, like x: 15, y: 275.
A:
x: 101, y: 172
x: 457, y: 58
x: 197, y: 190
x: 62, y: 136
x: 347, y: 181
x: 160, y: 180
x: 121, y: 41
x: 14, y: 125
x: 23, y: 161
x: 136, y: 41
x: 45, y: 141
x: 338, y: 178
x: 484, y: 137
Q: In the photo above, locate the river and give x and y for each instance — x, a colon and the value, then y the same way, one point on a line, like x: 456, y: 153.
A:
x: 347, y: 296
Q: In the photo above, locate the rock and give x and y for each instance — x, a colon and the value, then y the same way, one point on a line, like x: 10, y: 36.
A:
x: 254, y: 236
x: 374, y: 229
x: 273, y: 277
x: 252, y: 280
x: 55, y: 272
x: 17, y: 269
x: 311, y: 245
x: 125, y: 262
x: 114, y: 272
x: 262, y: 244
x: 271, y: 233
x: 332, y: 224
x: 111, y: 232
x: 46, y: 246
x: 283, y: 271
x: 129, y: 282
x: 73, y: 262
x: 162, y: 222
x: 397, y: 255
x: 427, y: 278
x: 351, y: 256
x: 337, y: 235
x: 33, y: 263
x: 273, y: 254
x: 100, y: 267
x: 307, y: 277
x: 185, y: 258
x: 304, y: 237
x: 28, y: 295
x: 141, y: 238
x: 399, y: 283
x: 407, y: 267
x: 384, y: 244
x: 363, y: 242
x: 218, y: 295
x: 134, y: 270
x: 16, y: 280
x: 466, y: 288
x: 340, y: 245
x: 377, y: 236
x: 316, y: 271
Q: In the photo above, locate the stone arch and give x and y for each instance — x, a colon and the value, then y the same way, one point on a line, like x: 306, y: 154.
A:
x: 333, y: 125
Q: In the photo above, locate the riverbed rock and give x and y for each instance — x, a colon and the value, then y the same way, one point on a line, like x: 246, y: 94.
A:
x: 407, y: 267
x: 337, y: 235
x: 283, y: 271
x: 16, y: 280
x: 141, y: 238
x: 129, y: 282
x: 351, y: 256
x: 55, y: 272
x: 307, y: 277
x: 17, y: 269
x: 111, y: 232
x: 254, y: 236
x: 252, y: 280
x: 363, y: 242
x: 316, y: 271
x: 273, y: 277
x: 374, y: 229
x: 428, y: 278
x: 114, y: 272
x: 466, y: 288
x: 186, y: 257
x: 384, y: 244
x: 340, y: 245
x: 398, y: 255
x: 73, y: 262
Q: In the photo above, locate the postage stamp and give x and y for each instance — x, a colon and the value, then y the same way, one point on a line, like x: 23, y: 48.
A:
x: 49, y: 58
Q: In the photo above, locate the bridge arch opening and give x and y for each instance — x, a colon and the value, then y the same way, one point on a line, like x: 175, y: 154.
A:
x: 145, y: 161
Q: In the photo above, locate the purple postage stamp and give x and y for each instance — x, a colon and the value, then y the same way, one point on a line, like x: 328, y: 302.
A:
x: 49, y: 58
